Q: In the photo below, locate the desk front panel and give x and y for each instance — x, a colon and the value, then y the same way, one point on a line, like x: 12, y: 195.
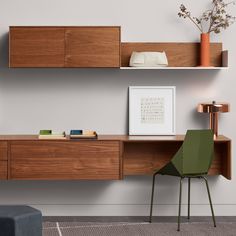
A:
x: 59, y: 160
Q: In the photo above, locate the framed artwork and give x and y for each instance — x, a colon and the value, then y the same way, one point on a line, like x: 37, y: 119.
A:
x: 152, y: 110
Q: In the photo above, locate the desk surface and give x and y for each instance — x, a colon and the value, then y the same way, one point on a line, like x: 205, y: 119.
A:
x: 124, y: 138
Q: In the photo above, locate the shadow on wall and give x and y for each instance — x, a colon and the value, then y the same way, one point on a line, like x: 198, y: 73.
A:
x: 4, y: 56
x: 200, y: 118
x: 130, y: 77
x: 126, y: 191
x: 54, y: 192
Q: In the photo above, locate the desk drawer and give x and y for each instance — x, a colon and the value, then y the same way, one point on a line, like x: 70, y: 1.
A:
x: 3, y: 151
x: 62, y: 160
x: 3, y: 170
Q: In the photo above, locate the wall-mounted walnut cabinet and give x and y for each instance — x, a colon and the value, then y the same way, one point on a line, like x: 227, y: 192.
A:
x: 64, y: 47
x: 98, y: 47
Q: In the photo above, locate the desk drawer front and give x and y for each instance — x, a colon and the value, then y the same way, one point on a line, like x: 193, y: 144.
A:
x: 3, y: 151
x: 65, y: 160
x: 3, y: 169
x: 3, y: 160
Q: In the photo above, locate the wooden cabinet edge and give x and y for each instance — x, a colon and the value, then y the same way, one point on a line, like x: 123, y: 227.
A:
x: 9, y: 160
x: 57, y: 26
x: 4, y: 160
x: 121, y: 159
x: 225, y: 60
x: 228, y: 171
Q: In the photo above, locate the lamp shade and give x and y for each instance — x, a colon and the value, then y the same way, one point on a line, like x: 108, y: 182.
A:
x: 213, y: 107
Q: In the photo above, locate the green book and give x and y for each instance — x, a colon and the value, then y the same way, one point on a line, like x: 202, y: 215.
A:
x: 45, y: 132
x: 49, y: 134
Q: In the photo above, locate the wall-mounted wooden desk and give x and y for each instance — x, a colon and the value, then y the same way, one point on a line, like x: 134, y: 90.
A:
x: 109, y: 157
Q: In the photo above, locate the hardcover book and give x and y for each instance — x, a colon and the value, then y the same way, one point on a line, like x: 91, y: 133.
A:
x: 81, y: 134
x: 49, y: 134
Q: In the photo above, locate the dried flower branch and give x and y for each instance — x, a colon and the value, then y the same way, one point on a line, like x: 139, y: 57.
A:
x: 217, y: 17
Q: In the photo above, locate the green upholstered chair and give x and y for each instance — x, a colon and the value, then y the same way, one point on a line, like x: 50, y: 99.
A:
x: 192, y: 160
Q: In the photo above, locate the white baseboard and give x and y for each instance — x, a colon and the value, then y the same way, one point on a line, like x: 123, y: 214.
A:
x: 133, y: 210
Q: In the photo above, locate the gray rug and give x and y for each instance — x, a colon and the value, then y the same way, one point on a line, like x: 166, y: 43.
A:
x: 137, y: 229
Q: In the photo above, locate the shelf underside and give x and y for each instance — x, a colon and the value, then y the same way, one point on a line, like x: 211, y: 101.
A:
x: 174, y: 68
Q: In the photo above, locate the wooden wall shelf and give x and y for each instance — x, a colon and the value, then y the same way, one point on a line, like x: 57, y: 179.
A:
x: 25, y: 157
x: 97, y: 47
x: 180, y: 55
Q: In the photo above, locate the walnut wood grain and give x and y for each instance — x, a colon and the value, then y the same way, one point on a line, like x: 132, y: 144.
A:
x: 65, y: 160
x: 92, y: 47
x: 224, y: 154
x: 178, y: 54
x: 3, y: 170
x: 3, y: 160
x: 3, y: 151
x: 37, y: 47
x: 31, y: 158
x: 144, y: 158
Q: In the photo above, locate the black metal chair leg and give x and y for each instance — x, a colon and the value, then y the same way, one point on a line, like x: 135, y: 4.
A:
x: 153, y: 188
x: 189, y: 183
x: 180, y: 198
x: 209, y: 195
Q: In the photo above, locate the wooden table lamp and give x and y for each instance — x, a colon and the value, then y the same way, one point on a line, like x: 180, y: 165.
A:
x: 213, y: 109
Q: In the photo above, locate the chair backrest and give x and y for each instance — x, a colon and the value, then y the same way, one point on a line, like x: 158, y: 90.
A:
x: 196, y: 154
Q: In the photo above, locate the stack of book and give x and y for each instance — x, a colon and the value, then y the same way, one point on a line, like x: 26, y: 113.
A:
x: 82, y: 134
x: 49, y: 134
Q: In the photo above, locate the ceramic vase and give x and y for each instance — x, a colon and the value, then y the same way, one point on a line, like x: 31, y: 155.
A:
x: 205, y: 50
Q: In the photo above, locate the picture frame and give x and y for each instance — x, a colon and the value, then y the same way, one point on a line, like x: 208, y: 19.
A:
x: 152, y: 110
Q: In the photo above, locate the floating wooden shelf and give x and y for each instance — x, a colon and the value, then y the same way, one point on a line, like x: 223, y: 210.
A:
x: 180, y: 55
x: 98, y: 47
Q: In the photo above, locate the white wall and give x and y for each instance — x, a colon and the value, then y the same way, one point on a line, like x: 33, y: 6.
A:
x: 33, y: 99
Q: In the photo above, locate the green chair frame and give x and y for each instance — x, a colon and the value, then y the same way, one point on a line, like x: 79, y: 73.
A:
x: 192, y: 160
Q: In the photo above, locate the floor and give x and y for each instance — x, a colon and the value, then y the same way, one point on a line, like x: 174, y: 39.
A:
x: 137, y: 226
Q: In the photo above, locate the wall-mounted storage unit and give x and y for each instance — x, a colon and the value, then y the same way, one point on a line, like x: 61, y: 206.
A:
x: 64, y: 47
x: 96, y: 47
x: 110, y: 157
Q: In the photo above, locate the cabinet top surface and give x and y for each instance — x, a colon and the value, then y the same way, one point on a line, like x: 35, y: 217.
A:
x: 125, y: 138
x: 66, y: 26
